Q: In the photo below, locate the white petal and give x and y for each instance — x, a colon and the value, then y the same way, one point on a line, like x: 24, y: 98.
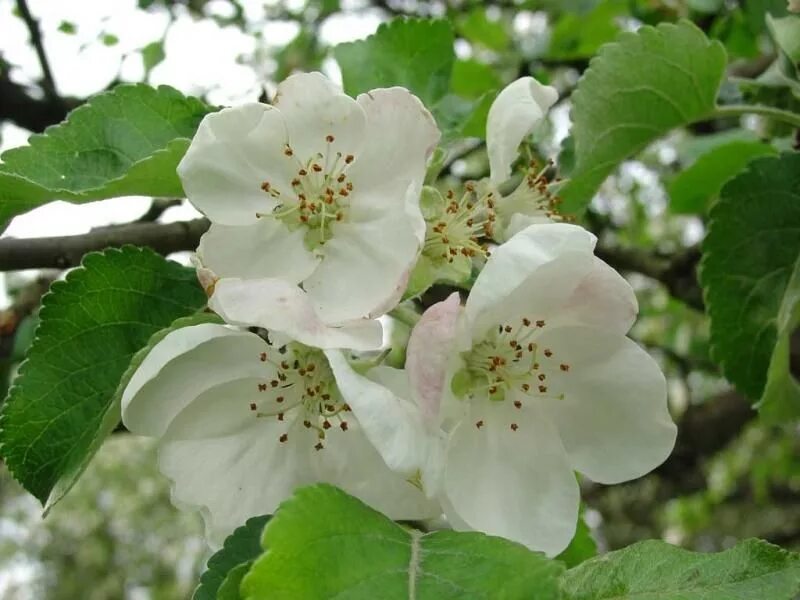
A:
x: 613, y: 419
x: 430, y: 349
x: 351, y: 462
x: 603, y: 299
x: 233, y: 152
x: 265, y: 249
x: 184, y: 364
x: 234, y: 477
x: 512, y: 116
x: 515, y: 484
x: 365, y: 266
x: 315, y: 108
x: 401, y: 135
x: 533, y: 274
x: 392, y: 423
x: 278, y: 305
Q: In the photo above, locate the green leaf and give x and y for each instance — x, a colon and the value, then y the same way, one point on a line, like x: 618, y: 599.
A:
x: 240, y: 547
x: 695, y: 188
x: 229, y: 589
x: 577, y: 36
x: 153, y: 55
x: 581, y: 548
x: 478, y: 28
x: 120, y: 143
x: 749, y: 277
x: 413, y: 53
x: 653, y: 570
x: 109, y: 39
x: 67, y: 27
x: 472, y: 79
x: 636, y: 90
x: 63, y: 401
x: 786, y: 33
x: 325, y: 544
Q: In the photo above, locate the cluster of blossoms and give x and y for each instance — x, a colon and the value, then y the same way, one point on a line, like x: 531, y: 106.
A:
x: 321, y: 225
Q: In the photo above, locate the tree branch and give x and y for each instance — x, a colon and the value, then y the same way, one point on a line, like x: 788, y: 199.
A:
x: 48, y: 83
x: 34, y: 114
x: 67, y: 251
x: 678, y: 272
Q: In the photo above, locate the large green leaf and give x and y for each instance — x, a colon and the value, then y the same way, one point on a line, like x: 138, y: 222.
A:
x: 653, y: 570
x: 414, y: 53
x: 581, y: 548
x: 240, y: 548
x: 749, y: 274
x: 323, y: 543
x: 91, y: 326
x: 695, y: 188
x: 636, y: 90
x: 127, y: 141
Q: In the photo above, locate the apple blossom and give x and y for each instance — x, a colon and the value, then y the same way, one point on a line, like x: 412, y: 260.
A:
x: 458, y: 225
x: 311, y: 198
x: 534, y: 378
x: 244, y: 421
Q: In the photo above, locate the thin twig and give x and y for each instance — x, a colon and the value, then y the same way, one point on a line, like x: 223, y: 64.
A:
x: 48, y: 83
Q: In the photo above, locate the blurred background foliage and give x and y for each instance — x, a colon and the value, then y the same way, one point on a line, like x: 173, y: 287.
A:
x: 730, y: 477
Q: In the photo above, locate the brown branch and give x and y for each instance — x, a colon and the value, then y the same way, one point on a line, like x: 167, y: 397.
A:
x: 48, y: 83
x: 677, y: 272
x: 67, y: 251
x: 34, y: 114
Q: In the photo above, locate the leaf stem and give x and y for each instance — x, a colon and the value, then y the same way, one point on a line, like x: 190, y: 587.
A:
x: 733, y: 110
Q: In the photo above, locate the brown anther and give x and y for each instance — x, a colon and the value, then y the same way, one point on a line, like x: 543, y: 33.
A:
x: 265, y: 185
x: 469, y: 186
x: 450, y: 194
x: 326, y: 424
x: 307, y: 424
x: 493, y: 389
x: 262, y: 387
x: 526, y: 321
x: 282, y: 349
x: 326, y: 397
x: 343, y: 425
x: 304, y: 218
x: 564, y: 367
x: 542, y: 388
x: 283, y: 438
x: 319, y: 446
x: 507, y: 328
x: 346, y: 407
x: 302, y: 372
x: 288, y: 151
x: 340, y: 178
x: 279, y: 399
x: 295, y: 182
x: 339, y: 216
x: 282, y: 376
x: 548, y: 353
x: 274, y: 383
x: 517, y: 404
x: 540, y: 323
x: 329, y: 138
x: 531, y: 346
x: 316, y: 168
x: 302, y: 172
x: 479, y: 424
x: 329, y: 407
x: 253, y: 406
x: 535, y: 366
x: 542, y: 376
x: 349, y: 186
x: 526, y: 387
x: 514, y: 427
x: 280, y: 416
x: 349, y: 158
x: 284, y: 365
x: 263, y: 357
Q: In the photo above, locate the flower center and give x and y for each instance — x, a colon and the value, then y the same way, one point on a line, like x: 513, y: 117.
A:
x: 302, y: 381
x: 510, y: 365
x: 460, y: 227
x: 531, y: 197
x: 319, y: 195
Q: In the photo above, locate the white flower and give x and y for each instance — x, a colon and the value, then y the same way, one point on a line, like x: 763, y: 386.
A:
x: 459, y: 224
x: 534, y: 379
x: 319, y: 191
x: 243, y: 422
x: 518, y: 108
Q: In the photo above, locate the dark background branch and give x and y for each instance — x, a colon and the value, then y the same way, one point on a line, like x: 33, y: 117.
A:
x: 67, y: 251
x: 48, y: 82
